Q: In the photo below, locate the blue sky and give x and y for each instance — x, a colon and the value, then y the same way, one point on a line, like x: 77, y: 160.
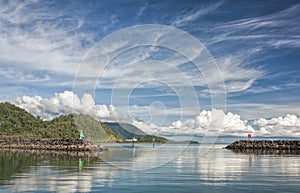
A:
x: 256, y: 45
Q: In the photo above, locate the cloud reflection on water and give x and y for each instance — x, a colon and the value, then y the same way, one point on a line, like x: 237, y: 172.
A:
x: 216, y: 168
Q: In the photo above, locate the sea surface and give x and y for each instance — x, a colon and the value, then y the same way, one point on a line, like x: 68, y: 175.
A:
x: 143, y: 168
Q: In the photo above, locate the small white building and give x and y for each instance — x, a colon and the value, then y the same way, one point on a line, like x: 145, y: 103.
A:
x: 132, y: 140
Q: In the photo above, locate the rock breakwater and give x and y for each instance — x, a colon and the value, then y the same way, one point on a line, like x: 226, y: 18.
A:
x: 265, y: 144
x: 50, y: 144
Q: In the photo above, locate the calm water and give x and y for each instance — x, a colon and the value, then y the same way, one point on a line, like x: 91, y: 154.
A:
x: 148, y: 169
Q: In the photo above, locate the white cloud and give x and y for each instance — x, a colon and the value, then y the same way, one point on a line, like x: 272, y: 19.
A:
x: 205, y: 124
x: 9, y: 74
x: 231, y: 124
x: 151, y: 128
x: 208, y: 122
x: 137, y: 65
x: 253, y: 111
x: 42, y: 40
x: 288, y: 125
x: 256, y: 28
x: 292, y: 42
x: 236, y: 77
x: 142, y: 9
x: 185, y: 18
x: 66, y: 103
x: 55, y: 42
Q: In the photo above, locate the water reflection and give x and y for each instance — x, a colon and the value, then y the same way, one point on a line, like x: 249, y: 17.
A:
x: 32, y: 170
x: 141, y: 156
x: 191, y: 170
x: 216, y: 167
x: 250, y: 160
x: 221, y: 166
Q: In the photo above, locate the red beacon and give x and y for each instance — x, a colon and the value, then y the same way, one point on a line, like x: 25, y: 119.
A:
x: 249, y: 136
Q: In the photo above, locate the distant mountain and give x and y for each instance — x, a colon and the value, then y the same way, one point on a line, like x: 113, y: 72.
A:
x: 125, y: 130
x: 128, y: 131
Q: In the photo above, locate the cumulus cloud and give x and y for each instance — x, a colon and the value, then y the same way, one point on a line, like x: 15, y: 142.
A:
x: 151, y: 128
x: 65, y: 103
x: 208, y: 122
x: 288, y: 125
x: 215, y: 122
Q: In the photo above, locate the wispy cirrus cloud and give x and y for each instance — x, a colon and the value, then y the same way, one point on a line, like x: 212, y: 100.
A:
x: 40, y: 39
x: 142, y: 9
x: 185, y: 17
x: 252, y: 111
x: 54, y: 42
x: 139, y: 64
x: 251, y: 41
x: 42, y: 44
x: 268, y: 30
x: 9, y: 74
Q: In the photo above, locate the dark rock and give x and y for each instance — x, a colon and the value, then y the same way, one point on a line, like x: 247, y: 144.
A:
x: 51, y: 144
x: 265, y: 144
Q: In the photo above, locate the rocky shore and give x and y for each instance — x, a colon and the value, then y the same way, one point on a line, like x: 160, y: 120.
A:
x: 265, y: 145
x: 50, y: 144
x: 48, y: 153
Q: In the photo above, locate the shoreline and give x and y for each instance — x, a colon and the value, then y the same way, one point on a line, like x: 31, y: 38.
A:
x: 47, y: 153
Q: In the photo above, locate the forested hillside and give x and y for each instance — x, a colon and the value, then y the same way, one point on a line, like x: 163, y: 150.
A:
x: 15, y: 122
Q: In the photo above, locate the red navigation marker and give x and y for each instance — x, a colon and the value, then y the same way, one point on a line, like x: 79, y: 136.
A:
x: 249, y: 136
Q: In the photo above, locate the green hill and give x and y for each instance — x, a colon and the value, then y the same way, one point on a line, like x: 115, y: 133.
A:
x: 95, y: 130
x: 125, y: 130
x: 15, y: 122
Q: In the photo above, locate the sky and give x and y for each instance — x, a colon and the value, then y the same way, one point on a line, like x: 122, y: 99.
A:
x: 205, y: 67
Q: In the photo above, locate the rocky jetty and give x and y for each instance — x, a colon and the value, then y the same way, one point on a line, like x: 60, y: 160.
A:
x: 267, y: 151
x: 265, y: 145
x: 51, y: 144
x: 47, y: 153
